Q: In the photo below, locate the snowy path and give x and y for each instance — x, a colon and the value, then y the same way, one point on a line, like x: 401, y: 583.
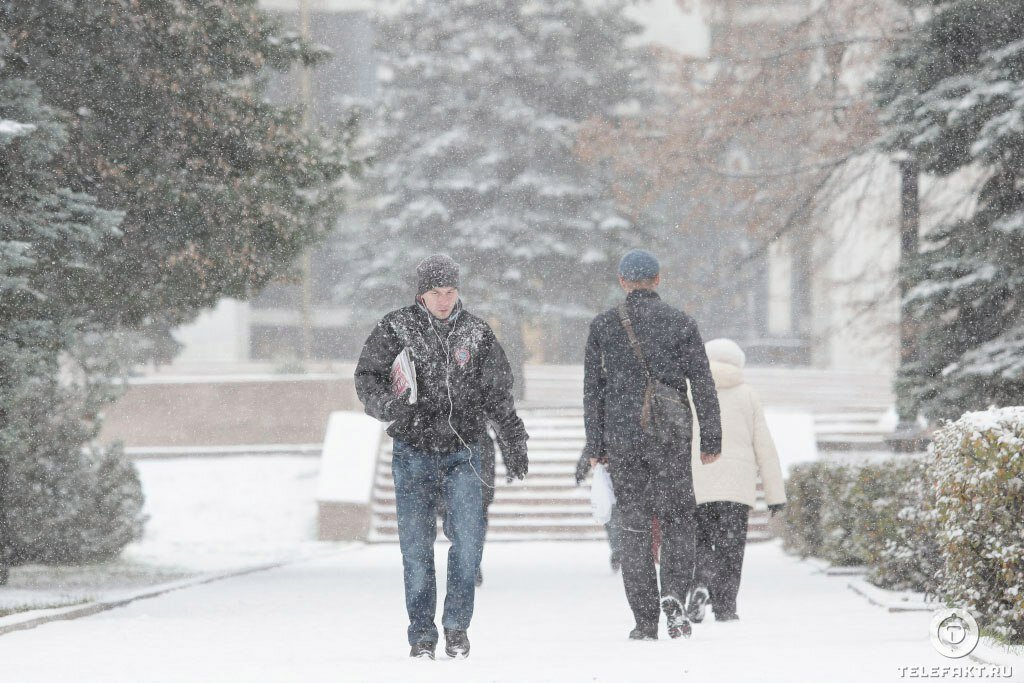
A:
x: 547, y: 612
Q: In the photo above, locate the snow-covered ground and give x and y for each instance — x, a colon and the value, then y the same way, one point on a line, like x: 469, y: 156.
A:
x: 209, y: 514
x: 547, y: 612
x: 222, y: 513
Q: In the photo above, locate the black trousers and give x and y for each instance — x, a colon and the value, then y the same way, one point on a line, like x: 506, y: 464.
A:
x: 614, y: 529
x: 721, y: 541
x: 655, y: 480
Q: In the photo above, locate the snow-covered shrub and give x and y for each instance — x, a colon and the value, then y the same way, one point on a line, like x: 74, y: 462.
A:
x: 909, y: 557
x: 62, y: 504
x: 977, y: 469
x: 86, y: 510
x: 875, y: 497
x: 861, y: 515
x: 806, y: 491
x: 62, y: 500
x: 843, y: 501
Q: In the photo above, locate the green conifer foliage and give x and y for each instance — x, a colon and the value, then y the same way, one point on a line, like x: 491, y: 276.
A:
x: 56, y: 504
x: 143, y: 176
x: 953, y: 97
x: 480, y: 107
x: 167, y: 122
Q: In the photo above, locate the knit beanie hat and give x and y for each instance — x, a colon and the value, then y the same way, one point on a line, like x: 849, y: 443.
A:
x: 639, y: 265
x: 438, y: 270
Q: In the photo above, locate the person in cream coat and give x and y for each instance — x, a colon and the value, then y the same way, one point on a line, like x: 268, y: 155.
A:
x: 725, y: 490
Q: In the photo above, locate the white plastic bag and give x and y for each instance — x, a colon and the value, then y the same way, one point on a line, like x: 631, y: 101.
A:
x: 602, y: 496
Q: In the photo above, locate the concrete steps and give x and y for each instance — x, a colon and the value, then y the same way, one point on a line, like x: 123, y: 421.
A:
x: 813, y: 389
x: 548, y: 505
x: 864, y: 429
x: 849, y: 411
x: 849, y: 408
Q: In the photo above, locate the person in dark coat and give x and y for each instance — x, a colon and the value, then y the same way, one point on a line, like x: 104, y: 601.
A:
x: 463, y: 382
x: 650, y: 477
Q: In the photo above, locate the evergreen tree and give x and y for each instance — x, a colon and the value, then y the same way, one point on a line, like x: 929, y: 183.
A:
x: 221, y: 190
x: 480, y: 105
x: 145, y: 177
x: 953, y: 94
x: 55, y: 504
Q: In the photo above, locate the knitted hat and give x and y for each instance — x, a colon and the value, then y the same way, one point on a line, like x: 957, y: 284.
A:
x: 639, y: 265
x: 438, y: 270
x: 725, y: 351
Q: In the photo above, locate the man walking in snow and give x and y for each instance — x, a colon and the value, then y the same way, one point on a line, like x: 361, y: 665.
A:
x: 634, y: 349
x: 463, y: 381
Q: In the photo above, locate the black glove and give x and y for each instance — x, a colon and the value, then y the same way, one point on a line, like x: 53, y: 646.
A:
x: 582, y: 468
x: 398, y: 407
x: 776, y: 508
x: 516, y: 462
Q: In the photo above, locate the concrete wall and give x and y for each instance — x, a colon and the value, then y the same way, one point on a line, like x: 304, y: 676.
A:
x: 226, y: 411
x: 855, y: 303
x: 348, y: 467
x: 220, y: 335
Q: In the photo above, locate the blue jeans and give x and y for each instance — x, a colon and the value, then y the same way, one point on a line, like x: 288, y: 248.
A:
x: 421, y: 479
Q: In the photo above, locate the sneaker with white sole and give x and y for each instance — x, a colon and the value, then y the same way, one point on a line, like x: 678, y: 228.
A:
x: 696, y: 604
x: 678, y: 625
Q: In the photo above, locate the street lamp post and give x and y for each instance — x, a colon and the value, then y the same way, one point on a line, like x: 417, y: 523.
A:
x: 909, y: 437
x: 306, y: 305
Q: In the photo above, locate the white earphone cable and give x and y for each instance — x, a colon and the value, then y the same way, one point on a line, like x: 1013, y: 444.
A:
x: 446, y: 345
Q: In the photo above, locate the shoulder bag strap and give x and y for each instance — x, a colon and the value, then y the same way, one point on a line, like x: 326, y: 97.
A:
x: 645, y: 414
x: 633, y: 341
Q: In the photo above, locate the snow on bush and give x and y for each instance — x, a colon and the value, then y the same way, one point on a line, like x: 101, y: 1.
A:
x: 805, y: 493
x: 977, y: 470
x: 950, y: 524
x: 910, y: 557
x: 867, y: 514
x: 852, y: 523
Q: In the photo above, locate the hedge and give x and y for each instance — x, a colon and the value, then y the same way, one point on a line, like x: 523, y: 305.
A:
x: 949, y: 523
x: 977, y: 471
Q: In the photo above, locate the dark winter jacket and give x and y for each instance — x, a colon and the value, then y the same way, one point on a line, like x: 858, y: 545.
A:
x: 461, y: 373
x: 614, y: 380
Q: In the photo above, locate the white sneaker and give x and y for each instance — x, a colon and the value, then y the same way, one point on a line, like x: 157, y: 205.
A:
x: 678, y: 625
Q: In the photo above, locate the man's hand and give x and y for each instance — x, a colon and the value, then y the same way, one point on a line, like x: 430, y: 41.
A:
x: 516, y: 462
x: 708, y: 458
x: 582, y: 469
x: 398, y: 407
x: 776, y: 508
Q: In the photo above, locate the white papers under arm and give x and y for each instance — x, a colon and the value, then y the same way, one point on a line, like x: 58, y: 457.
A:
x: 403, y: 375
